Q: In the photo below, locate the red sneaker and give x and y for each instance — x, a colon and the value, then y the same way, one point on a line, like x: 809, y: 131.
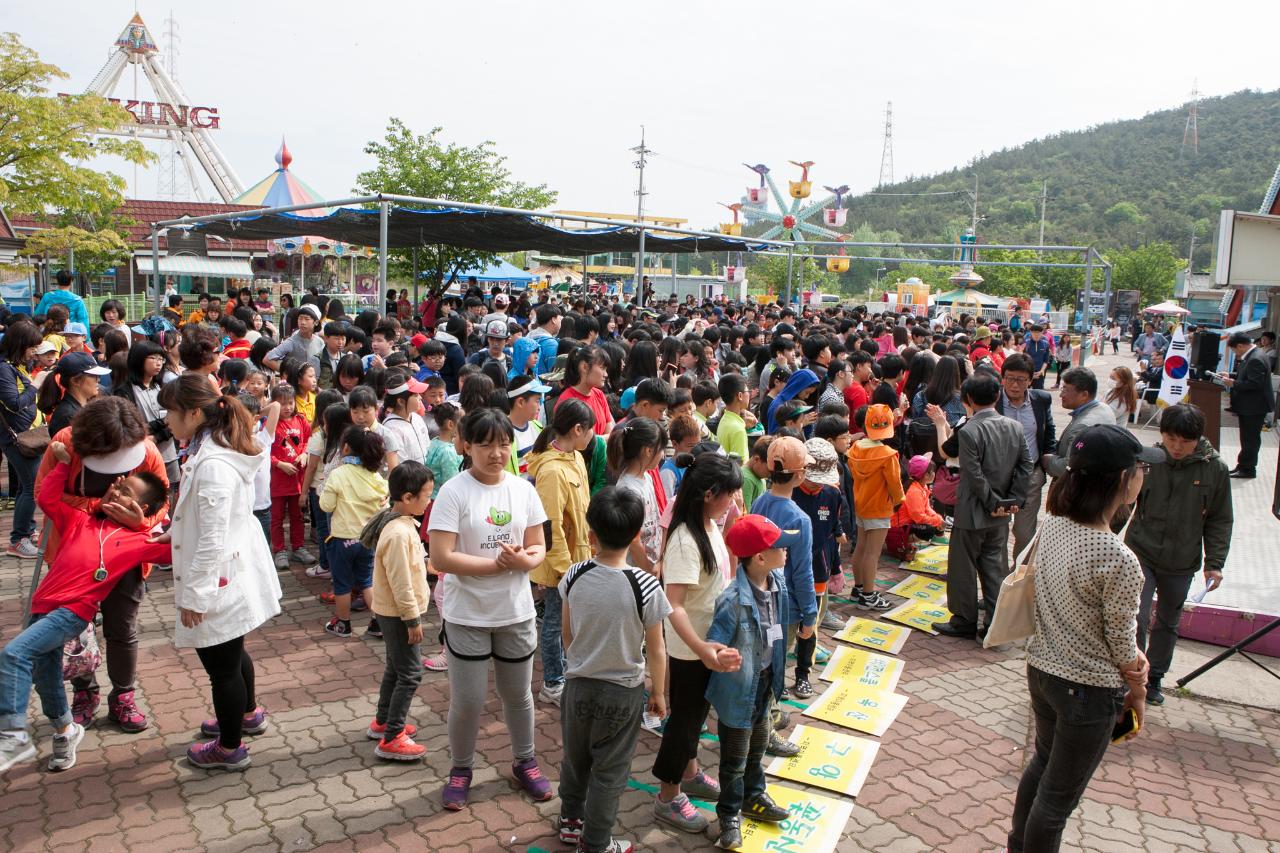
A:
x: 124, y: 712
x: 377, y: 730
x: 400, y: 748
x: 84, y: 704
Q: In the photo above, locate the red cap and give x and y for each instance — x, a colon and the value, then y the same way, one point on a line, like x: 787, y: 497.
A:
x: 418, y: 340
x: 750, y: 535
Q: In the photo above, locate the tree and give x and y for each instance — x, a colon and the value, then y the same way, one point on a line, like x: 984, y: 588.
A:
x: 1149, y: 269
x: 769, y: 272
x: 425, y: 166
x: 45, y: 141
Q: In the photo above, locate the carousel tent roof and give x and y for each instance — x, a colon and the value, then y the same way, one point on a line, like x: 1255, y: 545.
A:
x: 469, y: 229
x: 282, y: 188
x: 967, y: 296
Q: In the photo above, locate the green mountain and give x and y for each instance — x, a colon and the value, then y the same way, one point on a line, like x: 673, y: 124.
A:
x: 1114, y: 186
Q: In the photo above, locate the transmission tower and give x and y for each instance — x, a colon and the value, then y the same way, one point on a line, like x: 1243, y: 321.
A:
x: 173, y: 182
x: 886, y: 156
x: 1190, y: 133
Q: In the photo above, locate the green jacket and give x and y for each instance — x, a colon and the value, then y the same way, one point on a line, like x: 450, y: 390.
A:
x: 1183, y: 514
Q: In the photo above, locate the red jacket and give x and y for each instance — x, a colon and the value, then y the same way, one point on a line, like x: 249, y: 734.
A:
x: 915, y: 509
x: 290, y: 446
x: 88, y: 541
x: 237, y: 349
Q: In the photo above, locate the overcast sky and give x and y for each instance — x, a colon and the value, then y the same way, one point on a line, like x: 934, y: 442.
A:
x: 563, y: 87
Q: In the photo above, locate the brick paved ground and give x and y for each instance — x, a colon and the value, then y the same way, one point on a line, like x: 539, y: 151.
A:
x: 1204, y: 776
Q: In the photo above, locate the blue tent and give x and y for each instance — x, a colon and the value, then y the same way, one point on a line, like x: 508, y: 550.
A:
x: 499, y: 270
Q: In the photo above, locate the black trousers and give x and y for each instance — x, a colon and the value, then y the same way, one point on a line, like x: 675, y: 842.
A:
x: 687, y: 694
x: 120, y: 635
x: 1250, y: 442
x: 1170, y: 592
x: 1073, y: 729
x: 230, y: 672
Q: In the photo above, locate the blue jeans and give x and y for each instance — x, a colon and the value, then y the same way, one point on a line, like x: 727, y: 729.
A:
x: 264, y: 518
x: 35, y: 656
x: 320, y: 520
x: 552, y: 640
x: 23, y: 492
x: 351, y: 564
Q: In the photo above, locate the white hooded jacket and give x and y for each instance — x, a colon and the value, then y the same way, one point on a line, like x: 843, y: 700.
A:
x: 222, y: 565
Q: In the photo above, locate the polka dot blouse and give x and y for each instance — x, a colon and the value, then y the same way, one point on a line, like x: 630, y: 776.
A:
x: 1088, y: 584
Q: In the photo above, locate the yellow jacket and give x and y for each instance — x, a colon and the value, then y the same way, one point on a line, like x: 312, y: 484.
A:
x: 400, y: 572
x: 353, y: 494
x: 561, y: 480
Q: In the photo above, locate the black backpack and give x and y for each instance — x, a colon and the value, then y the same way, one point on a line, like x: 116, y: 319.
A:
x: 584, y: 567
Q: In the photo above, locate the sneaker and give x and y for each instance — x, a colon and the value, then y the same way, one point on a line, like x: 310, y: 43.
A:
x: 338, y: 627
x: 64, y: 748
x: 680, y: 813
x: 702, y: 786
x: 124, y: 712
x: 821, y: 655
x: 802, y: 689
x: 762, y: 807
x: 569, y: 830
x: 254, y: 724
x: 400, y: 748
x: 15, y: 746
x: 163, y: 567
x: 551, y: 693
x: 531, y: 779
x: 436, y: 663
x: 873, y: 601
x: 782, y: 721
x: 730, y: 837
x: 303, y: 556
x: 377, y: 730
x: 358, y: 604
x: 1155, y: 696
x: 23, y: 549
x: 832, y: 622
x: 212, y: 756
x: 374, y: 629
x: 84, y: 704
x: 781, y: 747
x: 318, y: 571
x: 282, y: 561
x: 617, y: 845
x: 457, y: 789
x: 327, y: 597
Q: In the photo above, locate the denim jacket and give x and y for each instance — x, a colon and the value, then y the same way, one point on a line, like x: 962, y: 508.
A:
x: 736, y: 623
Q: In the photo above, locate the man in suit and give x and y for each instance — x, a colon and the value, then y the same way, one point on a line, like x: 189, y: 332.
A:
x: 1080, y: 396
x: 1033, y: 410
x: 994, y: 467
x: 1252, y: 399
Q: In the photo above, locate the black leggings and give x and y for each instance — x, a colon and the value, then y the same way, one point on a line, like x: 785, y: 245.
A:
x: 231, y: 675
x: 687, y: 687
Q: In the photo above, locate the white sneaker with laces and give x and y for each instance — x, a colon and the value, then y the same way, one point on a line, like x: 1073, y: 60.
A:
x: 15, y: 746
x: 551, y: 693
x: 318, y: 571
x: 64, y: 748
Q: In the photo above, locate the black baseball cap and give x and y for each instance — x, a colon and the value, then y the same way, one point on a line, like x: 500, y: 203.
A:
x: 1109, y: 447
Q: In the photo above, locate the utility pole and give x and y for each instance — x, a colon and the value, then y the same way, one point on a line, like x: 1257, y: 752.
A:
x: 886, y: 155
x: 974, y: 225
x: 1044, y: 201
x: 642, y: 152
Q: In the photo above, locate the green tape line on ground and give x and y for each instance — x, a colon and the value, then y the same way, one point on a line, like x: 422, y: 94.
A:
x: 794, y: 704
x: 637, y: 785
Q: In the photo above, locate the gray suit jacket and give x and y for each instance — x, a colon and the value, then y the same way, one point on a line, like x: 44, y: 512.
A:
x: 993, y: 465
x: 1093, y: 416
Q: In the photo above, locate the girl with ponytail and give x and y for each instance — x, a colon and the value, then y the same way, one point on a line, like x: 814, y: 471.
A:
x: 223, y: 581
x: 634, y: 448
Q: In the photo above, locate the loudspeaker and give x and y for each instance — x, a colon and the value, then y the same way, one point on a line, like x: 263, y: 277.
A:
x: 1204, y: 354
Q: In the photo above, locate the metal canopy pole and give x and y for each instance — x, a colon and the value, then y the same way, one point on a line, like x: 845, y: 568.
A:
x: 155, y: 269
x: 415, y: 278
x: 383, y: 211
x: 1106, y: 299
x: 790, y: 261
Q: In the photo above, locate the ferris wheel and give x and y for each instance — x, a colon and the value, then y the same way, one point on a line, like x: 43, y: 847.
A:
x: 791, y: 218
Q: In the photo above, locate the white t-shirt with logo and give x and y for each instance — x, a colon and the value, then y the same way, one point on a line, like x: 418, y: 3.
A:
x: 482, y: 517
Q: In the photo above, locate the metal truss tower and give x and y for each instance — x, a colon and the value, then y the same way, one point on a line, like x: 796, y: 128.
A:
x: 1191, y: 133
x: 173, y: 183
x: 886, y: 156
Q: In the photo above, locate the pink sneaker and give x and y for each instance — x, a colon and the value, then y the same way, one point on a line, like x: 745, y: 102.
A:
x: 530, y: 778
x: 124, y: 712
x: 84, y: 704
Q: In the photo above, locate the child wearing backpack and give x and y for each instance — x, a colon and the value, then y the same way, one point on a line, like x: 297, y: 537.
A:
x: 613, y: 615
x: 400, y: 600
x: 750, y: 616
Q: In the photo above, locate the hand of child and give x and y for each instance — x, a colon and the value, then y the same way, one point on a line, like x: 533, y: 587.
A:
x: 60, y: 453
x: 507, y: 559
x: 160, y: 538
x: 804, y: 632
x: 415, y: 635
x: 657, y: 705
x: 287, y: 468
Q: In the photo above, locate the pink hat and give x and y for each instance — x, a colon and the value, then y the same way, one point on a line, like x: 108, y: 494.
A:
x: 918, y: 465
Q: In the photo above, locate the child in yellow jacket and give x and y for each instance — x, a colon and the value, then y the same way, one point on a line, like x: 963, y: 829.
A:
x: 400, y: 600
x: 353, y: 492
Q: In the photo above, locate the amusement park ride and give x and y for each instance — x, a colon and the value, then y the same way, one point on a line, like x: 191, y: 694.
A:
x: 791, y: 219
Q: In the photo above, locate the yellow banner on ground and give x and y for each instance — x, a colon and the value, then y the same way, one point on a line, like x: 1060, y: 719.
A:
x: 862, y: 667
x: 873, y: 635
x: 831, y: 760
x: 923, y: 589
x: 931, y: 560
x: 919, y: 615
x: 854, y: 706
x: 815, y: 825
